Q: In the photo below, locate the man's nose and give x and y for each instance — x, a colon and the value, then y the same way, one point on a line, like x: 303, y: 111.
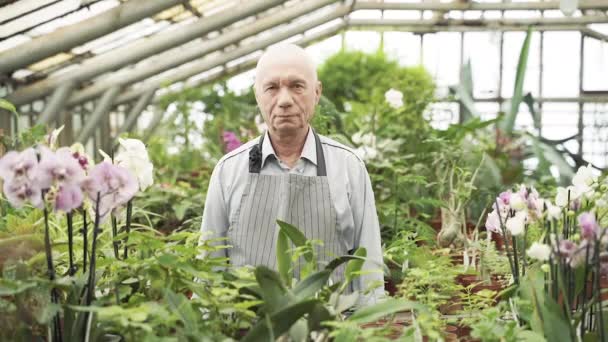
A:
x: 284, y: 100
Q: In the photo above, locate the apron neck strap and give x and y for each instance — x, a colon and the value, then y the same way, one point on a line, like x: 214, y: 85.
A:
x: 255, y: 156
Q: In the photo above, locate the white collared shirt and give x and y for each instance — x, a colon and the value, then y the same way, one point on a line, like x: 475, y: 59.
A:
x: 349, y: 185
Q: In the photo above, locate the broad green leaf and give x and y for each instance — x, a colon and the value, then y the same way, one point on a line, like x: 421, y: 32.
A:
x: 389, y: 306
x: 354, y: 266
x: 464, y: 93
x: 311, y: 284
x: 283, y: 258
x: 296, y: 236
x: 317, y: 316
x: 281, y: 321
x: 508, y: 121
x: 273, y: 290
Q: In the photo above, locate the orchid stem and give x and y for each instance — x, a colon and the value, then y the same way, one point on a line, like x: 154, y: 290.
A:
x: 128, y: 227
x: 91, y: 283
x: 72, y: 269
x: 84, y: 240
x: 56, y: 330
x: 114, y: 233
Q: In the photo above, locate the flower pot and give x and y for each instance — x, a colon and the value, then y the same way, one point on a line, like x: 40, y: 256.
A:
x: 499, y: 240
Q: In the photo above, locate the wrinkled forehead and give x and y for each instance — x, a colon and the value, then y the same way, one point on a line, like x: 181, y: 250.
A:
x: 288, y: 63
x: 285, y: 71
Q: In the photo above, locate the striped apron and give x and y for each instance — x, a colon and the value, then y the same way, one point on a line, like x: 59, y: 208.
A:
x: 302, y: 201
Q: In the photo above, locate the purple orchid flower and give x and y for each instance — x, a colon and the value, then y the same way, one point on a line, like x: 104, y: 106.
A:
x: 505, y: 197
x: 58, y: 168
x: 68, y: 198
x: 493, y: 222
x: 115, y: 184
x: 20, y: 191
x: 18, y: 165
x: 231, y: 141
x: 588, y: 224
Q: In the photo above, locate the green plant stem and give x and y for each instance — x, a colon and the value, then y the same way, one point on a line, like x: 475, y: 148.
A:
x: 515, y: 263
x: 91, y: 282
x: 598, y: 288
x: 84, y: 240
x: 114, y: 233
x: 72, y: 268
x: 584, y: 294
x: 128, y: 227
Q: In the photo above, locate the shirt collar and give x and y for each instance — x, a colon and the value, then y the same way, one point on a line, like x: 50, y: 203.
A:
x: 308, y: 152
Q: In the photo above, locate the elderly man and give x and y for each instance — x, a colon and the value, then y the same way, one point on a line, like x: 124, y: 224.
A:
x: 293, y: 174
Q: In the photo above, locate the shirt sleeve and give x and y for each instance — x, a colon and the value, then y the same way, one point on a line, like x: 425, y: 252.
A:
x: 367, y: 234
x: 215, y: 214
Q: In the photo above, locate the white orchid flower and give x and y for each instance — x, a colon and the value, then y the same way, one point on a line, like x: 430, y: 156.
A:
x: 517, y: 202
x: 134, y: 157
x: 394, y: 98
x: 539, y: 251
x: 517, y: 223
x: 583, y: 181
x: 561, y: 199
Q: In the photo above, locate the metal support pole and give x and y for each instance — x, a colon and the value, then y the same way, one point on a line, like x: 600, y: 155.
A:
x: 141, y: 49
x: 73, y: 35
x: 101, y: 112
x: 581, y: 72
x: 179, y: 56
x: 133, y: 115
x: 208, y: 64
x: 56, y: 103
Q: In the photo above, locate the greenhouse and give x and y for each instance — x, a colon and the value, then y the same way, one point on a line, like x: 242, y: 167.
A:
x: 304, y: 170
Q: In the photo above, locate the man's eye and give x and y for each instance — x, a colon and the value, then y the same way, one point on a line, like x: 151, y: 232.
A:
x: 271, y: 88
x: 298, y: 86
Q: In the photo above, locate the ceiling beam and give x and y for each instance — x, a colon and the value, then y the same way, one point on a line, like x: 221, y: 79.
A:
x: 179, y: 56
x: 210, y: 63
x: 141, y: 49
x: 470, y: 6
x: 65, y: 38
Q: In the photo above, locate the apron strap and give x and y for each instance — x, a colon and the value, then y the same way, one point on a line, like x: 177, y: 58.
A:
x: 255, y: 156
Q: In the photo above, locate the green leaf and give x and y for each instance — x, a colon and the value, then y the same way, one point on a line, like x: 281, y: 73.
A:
x: 281, y: 321
x: 273, y: 290
x: 283, y: 258
x: 529, y: 101
x: 464, y: 93
x: 508, y: 121
x: 354, y: 266
x: 317, y: 316
x: 4, y: 104
x: 183, y: 308
x: 296, y: 236
x: 311, y: 284
x: 387, y: 307
x: 11, y: 288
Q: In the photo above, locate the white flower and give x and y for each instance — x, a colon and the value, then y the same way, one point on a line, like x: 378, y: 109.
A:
x: 51, y: 139
x: 517, y: 202
x: 602, y: 202
x: 539, y: 251
x: 394, y: 98
x: 348, y: 107
x: 366, y: 152
x: 367, y: 139
x: 583, y: 181
x: 517, y: 223
x: 134, y: 157
x: 553, y: 211
x: 562, y: 196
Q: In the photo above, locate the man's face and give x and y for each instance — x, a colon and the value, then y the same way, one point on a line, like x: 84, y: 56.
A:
x: 287, y: 93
